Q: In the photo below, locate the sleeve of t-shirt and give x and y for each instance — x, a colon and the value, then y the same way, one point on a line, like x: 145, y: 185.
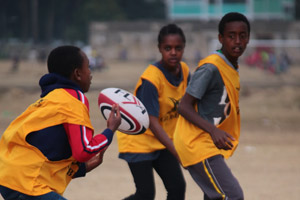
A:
x: 200, y: 81
x: 148, y: 95
x: 83, y: 144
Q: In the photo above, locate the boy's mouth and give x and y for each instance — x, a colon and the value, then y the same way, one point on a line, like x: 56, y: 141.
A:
x: 173, y: 60
x: 237, y: 49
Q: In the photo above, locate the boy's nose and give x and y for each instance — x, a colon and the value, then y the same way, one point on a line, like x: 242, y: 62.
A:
x: 237, y: 39
x: 173, y: 51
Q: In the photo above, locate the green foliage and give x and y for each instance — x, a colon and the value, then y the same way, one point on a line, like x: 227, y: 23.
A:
x: 102, y: 10
x: 68, y: 20
x: 145, y: 9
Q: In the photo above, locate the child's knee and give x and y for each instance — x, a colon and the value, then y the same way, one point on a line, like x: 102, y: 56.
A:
x: 236, y: 194
x: 177, y: 190
x: 145, y: 194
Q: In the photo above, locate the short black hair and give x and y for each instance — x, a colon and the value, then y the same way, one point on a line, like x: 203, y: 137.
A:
x: 232, y: 17
x: 64, y: 59
x: 170, y: 29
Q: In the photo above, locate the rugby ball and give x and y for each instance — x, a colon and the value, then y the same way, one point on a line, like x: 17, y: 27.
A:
x: 135, y: 118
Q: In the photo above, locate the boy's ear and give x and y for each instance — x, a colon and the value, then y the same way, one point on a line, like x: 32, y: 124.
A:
x: 76, y: 75
x: 220, y: 37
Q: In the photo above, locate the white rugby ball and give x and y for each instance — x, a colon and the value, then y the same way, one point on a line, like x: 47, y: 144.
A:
x: 135, y: 118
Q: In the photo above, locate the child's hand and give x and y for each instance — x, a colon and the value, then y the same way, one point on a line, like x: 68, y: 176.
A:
x: 94, y: 161
x: 221, y: 139
x: 114, y: 119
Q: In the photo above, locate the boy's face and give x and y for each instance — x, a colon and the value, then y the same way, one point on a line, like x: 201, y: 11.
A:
x: 84, y: 74
x: 234, y: 40
x: 171, y: 49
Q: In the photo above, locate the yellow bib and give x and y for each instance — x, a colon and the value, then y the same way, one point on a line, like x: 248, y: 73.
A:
x: 22, y: 166
x: 194, y: 144
x: 169, y: 96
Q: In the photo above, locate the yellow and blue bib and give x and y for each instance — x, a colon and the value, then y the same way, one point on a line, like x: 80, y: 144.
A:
x: 22, y: 166
x: 194, y: 144
x: 169, y: 96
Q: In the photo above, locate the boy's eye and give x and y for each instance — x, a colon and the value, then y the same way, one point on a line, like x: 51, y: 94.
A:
x: 167, y: 48
x: 243, y: 36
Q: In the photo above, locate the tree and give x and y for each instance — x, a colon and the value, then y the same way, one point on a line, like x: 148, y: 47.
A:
x: 45, y: 21
x: 143, y: 9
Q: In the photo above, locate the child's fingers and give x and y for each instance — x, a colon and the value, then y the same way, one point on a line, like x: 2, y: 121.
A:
x: 231, y: 137
x: 116, y: 110
x: 115, y: 107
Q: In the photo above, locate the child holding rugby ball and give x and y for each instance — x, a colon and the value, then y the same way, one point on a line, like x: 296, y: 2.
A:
x: 52, y: 141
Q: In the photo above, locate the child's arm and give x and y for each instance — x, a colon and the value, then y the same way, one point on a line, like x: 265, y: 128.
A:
x: 113, y: 123
x: 162, y: 136
x: 89, y: 165
x: 84, y: 146
x: 221, y: 139
x: 94, y: 161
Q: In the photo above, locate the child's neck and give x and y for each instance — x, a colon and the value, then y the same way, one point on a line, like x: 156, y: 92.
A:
x: 232, y: 61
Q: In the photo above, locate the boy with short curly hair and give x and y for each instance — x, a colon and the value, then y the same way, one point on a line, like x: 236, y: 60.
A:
x: 209, y: 127
x: 53, y: 140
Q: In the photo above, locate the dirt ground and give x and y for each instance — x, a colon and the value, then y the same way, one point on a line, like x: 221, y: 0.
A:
x: 266, y: 162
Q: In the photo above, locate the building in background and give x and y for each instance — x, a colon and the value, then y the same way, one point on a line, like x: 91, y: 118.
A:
x: 215, y: 9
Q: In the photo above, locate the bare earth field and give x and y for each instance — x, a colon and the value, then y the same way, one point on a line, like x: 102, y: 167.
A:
x: 267, y: 161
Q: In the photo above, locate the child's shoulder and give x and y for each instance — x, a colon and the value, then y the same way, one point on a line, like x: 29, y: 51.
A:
x: 78, y: 95
x: 207, y: 68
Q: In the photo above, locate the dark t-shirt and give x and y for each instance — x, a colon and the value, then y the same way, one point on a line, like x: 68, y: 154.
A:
x: 207, y: 86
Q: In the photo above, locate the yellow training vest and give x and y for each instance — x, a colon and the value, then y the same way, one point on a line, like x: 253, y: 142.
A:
x: 194, y: 144
x: 168, y: 98
x: 22, y: 166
